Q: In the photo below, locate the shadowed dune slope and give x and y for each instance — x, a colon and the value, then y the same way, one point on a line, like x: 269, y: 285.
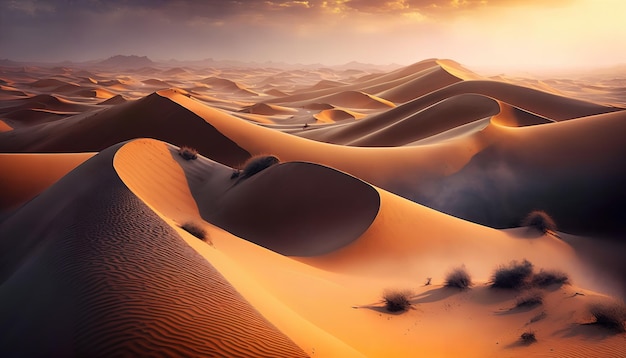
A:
x: 529, y: 107
x: 350, y: 99
x: 462, y: 176
x: 112, y: 278
x: 570, y: 169
x: 445, y: 115
x: 152, y: 116
x: 300, y: 209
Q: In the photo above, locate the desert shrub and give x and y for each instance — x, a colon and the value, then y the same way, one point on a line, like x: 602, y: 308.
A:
x: 257, y: 164
x: 529, y: 299
x: 549, y: 277
x: 539, y: 220
x: 195, y: 230
x: 188, y: 153
x: 397, y: 300
x: 528, y: 337
x: 458, y: 278
x: 515, y: 275
x: 609, y: 315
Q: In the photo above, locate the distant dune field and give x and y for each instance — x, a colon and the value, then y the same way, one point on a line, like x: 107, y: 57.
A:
x: 302, y: 197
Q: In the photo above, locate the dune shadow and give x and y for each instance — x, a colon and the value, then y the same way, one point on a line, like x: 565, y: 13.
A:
x: 487, y: 295
x: 382, y: 309
x: 517, y: 310
x: 436, y: 294
x: 519, y: 343
x: 590, y: 331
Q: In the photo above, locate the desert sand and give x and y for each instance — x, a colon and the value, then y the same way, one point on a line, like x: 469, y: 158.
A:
x: 113, y: 243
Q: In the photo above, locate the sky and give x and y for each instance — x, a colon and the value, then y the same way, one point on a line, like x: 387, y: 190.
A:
x: 508, y: 34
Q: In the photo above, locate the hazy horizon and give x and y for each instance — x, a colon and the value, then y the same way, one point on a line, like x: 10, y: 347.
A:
x: 505, y: 35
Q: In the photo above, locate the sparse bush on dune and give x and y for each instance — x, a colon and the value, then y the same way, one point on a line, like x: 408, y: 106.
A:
x: 610, y: 315
x: 529, y: 299
x: 188, y: 153
x: 458, y: 278
x: 546, y: 278
x: 397, y: 300
x: 528, y: 337
x: 195, y: 230
x: 256, y: 164
x: 539, y: 220
x: 514, y: 275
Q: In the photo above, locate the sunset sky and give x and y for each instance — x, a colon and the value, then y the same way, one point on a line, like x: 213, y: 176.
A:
x: 517, y: 34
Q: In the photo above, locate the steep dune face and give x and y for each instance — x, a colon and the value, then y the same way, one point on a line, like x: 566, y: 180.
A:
x: 539, y: 167
x: 284, y: 205
x: 112, y: 278
x: 457, y: 111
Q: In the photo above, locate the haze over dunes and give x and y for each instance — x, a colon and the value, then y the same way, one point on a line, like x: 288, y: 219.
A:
x: 303, y: 194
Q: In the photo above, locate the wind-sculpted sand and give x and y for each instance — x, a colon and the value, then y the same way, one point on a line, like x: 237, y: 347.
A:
x: 381, y: 180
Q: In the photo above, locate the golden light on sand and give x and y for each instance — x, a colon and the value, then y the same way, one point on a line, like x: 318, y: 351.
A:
x: 196, y: 200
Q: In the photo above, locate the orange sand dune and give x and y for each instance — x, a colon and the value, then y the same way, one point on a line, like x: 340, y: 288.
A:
x: 275, y: 92
x: 350, y: 99
x: 227, y: 86
x: 396, y: 130
x: 336, y: 115
x: 388, y: 253
x: 10, y: 93
x: 156, y: 83
x: 465, y: 161
x: 115, y: 100
x: 44, y: 101
x: 145, y: 117
x: 268, y: 109
x: 26, y: 175
x: 30, y: 117
x: 4, y: 127
x: 373, y: 83
x: 48, y: 83
x: 425, y: 82
x: 299, y: 253
x: 85, y: 257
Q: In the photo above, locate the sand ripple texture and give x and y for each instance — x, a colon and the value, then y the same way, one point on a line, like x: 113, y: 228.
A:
x: 115, y: 280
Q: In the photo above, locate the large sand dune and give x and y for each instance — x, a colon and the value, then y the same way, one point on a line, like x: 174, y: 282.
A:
x: 387, y: 180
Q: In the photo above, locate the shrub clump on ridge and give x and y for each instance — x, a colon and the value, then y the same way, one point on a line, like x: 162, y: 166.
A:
x: 610, y: 315
x: 195, y: 230
x: 546, y: 278
x: 256, y: 164
x: 515, y: 275
x: 397, y: 300
x: 528, y: 337
x: 458, y: 278
x: 529, y: 299
x: 539, y: 220
x: 188, y: 153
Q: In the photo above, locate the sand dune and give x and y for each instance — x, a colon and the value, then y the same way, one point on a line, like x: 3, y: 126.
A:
x: 142, y: 118
x: 26, y: 175
x: 107, y: 302
x: 268, y: 109
x: 337, y: 115
x: 350, y: 99
x: 437, y: 173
